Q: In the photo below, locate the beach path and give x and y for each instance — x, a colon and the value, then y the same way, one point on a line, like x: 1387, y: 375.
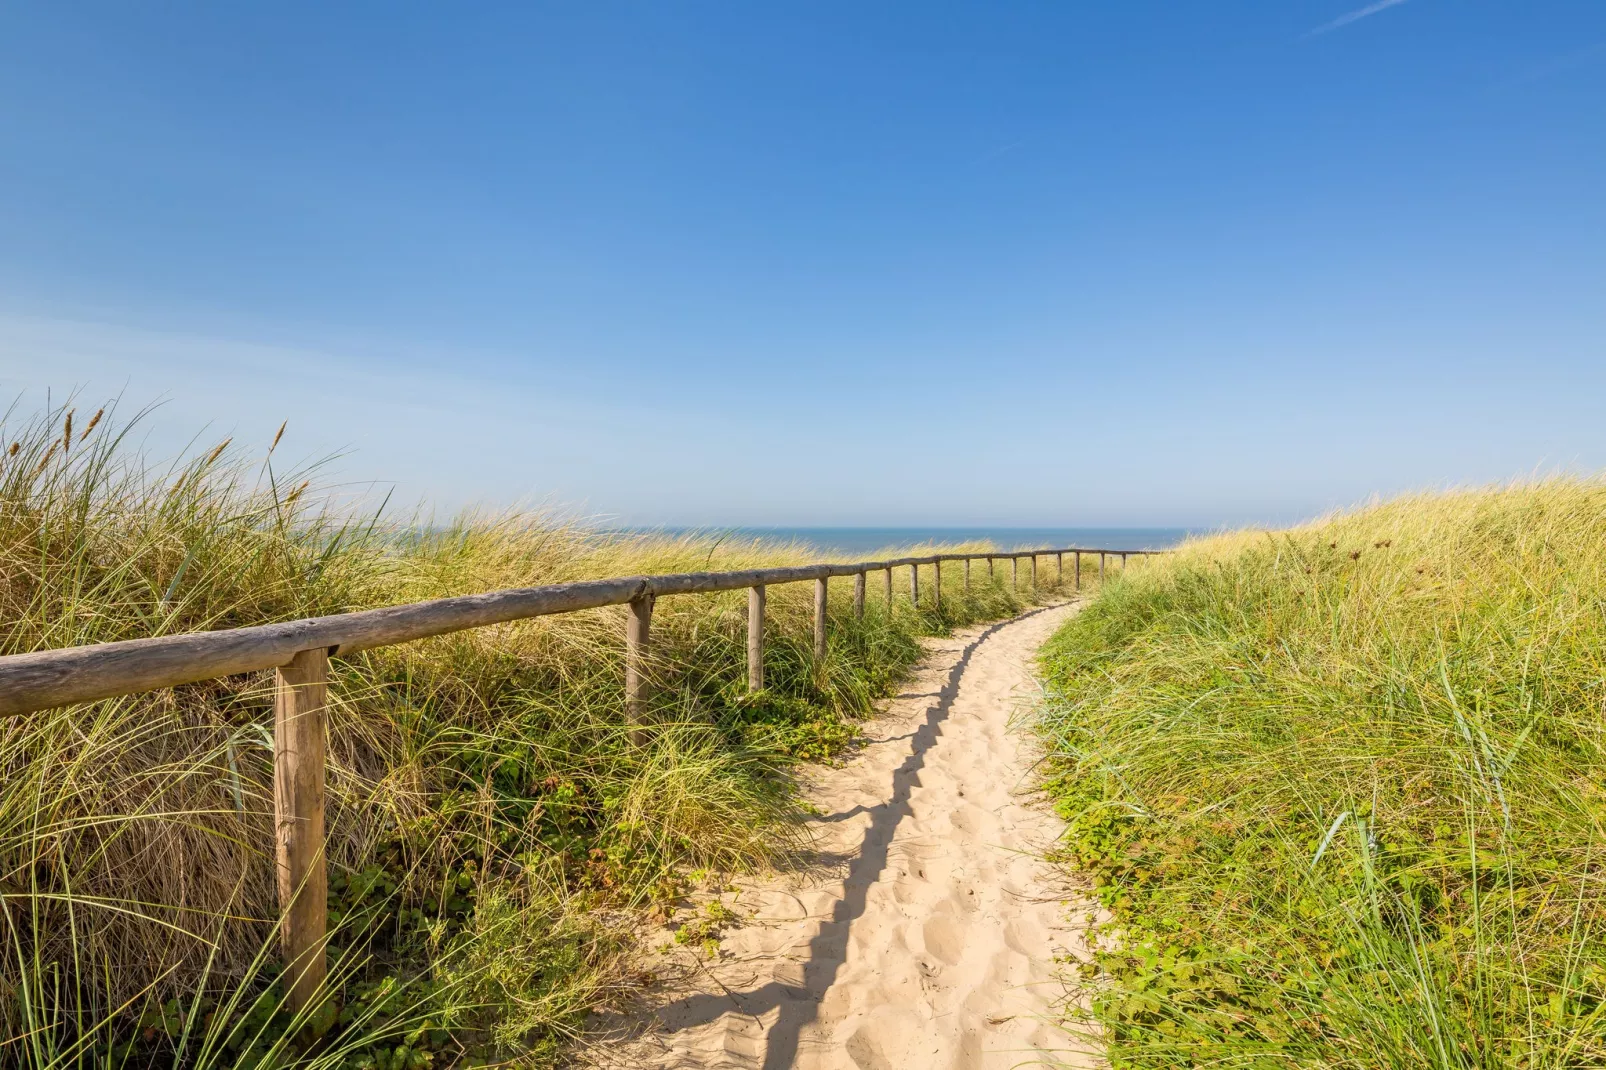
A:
x: 930, y: 932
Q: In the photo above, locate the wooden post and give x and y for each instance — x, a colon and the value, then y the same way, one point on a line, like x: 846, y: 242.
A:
x: 1101, y: 568
x: 637, y: 628
x: 755, y: 638
x: 989, y: 568
x: 1123, y: 562
x: 1014, y: 573
x: 914, y: 586
x: 1059, y: 570
x: 887, y: 576
x: 967, y: 575
x: 301, y: 692
x: 936, y: 584
x: 1034, y: 572
x: 819, y: 619
x: 1076, y: 566
x: 858, y: 595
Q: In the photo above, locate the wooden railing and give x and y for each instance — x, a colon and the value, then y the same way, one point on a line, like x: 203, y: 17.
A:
x: 299, y: 652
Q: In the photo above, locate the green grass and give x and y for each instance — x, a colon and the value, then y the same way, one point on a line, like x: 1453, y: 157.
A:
x: 1343, y: 789
x: 493, y: 833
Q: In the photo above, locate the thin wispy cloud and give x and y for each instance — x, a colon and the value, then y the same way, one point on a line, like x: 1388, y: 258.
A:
x: 1354, y: 16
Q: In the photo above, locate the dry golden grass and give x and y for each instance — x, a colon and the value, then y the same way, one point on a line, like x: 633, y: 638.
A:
x: 488, y: 815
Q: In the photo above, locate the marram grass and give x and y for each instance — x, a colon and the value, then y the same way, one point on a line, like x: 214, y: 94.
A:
x: 1343, y: 788
x: 492, y: 831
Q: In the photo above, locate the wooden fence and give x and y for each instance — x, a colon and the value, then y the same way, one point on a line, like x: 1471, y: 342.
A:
x: 299, y: 652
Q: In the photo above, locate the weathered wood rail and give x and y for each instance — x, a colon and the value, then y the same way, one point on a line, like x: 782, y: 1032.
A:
x: 299, y: 651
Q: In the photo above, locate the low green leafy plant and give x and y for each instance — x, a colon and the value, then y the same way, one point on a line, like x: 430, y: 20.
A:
x: 706, y: 927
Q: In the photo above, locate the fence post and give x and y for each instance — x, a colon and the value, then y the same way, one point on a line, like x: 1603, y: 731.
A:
x: 819, y: 619
x: 1059, y: 570
x: 914, y: 586
x: 1034, y: 572
x: 638, y: 627
x: 1123, y: 562
x: 1076, y: 566
x: 755, y: 638
x: 936, y: 584
x: 989, y: 566
x: 1101, y: 569
x: 1014, y: 573
x: 301, y: 694
x: 967, y: 575
x: 887, y: 578
x: 858, y: 595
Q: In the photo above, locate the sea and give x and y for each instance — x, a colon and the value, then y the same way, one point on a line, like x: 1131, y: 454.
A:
x: 865, y: 540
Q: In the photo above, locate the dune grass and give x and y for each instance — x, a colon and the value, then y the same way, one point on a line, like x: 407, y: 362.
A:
x: 1343, y: 788
x: 493, y: 832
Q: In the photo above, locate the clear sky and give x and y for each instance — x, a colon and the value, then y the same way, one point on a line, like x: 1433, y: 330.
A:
x: 1121, y: 263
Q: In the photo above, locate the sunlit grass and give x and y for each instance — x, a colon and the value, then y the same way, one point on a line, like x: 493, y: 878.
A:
x: 1343, y: 788
x: 492, y: 829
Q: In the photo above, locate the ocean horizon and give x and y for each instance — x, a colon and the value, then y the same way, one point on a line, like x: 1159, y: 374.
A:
x: 853, y: 540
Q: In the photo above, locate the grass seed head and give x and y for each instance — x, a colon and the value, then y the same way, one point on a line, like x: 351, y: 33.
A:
x: 44, y: 461
x: 291, y: 498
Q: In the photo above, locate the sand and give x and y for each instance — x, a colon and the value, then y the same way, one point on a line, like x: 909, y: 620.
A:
x: 928, y: 932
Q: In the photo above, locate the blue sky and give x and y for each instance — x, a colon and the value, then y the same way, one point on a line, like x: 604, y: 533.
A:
x: 826, y: 263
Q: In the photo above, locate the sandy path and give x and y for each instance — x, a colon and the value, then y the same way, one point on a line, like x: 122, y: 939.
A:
x: 928, y: 936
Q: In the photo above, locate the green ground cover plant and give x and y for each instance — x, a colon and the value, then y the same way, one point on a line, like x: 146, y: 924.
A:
x: 1342, y: 788
x: 492, y: 830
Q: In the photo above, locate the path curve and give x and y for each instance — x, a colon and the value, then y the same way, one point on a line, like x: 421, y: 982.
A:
x: 929, y: 935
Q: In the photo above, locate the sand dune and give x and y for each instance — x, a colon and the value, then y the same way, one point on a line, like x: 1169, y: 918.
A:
x: 929, y: 931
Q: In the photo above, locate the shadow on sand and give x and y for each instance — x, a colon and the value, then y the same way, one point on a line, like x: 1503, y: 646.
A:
x: 828, y: 950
